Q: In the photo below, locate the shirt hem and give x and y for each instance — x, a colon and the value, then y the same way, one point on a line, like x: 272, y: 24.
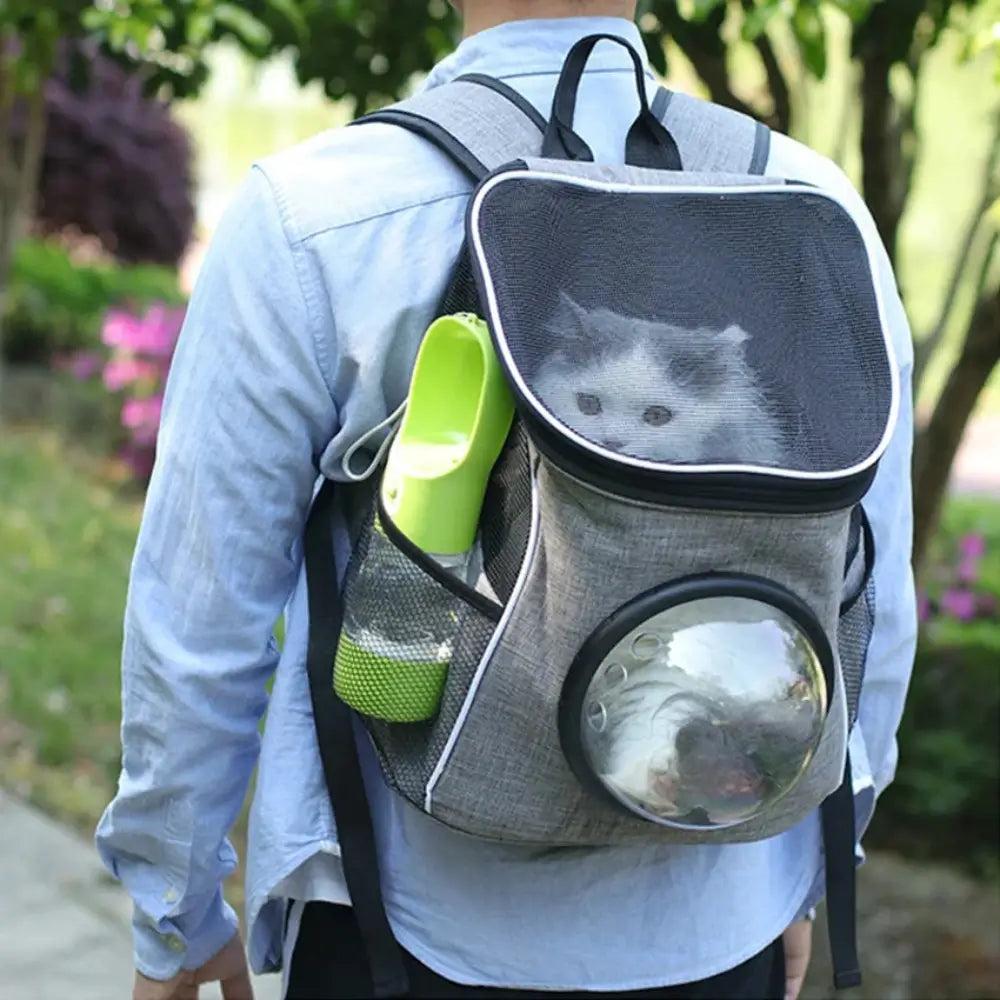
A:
x: 706, y: 970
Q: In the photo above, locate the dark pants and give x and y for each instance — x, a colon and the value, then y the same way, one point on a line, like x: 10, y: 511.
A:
x: 329, y: 962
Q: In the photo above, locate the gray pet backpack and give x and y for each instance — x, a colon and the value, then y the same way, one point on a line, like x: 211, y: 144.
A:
x: 667, y: 637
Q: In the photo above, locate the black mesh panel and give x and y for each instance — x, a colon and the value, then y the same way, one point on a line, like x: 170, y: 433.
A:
x: 853, y: 638
x: 506, y: 516
x: 461, y: 294
x: 678, y: 327
x: 506, y: 520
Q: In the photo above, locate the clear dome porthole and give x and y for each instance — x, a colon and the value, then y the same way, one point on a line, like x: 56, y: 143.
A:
x: 703, y: 714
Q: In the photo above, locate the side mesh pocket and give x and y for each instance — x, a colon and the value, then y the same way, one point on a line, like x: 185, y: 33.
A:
x: 411, y: 643
x: 403, y: 618
x: 857, y: 610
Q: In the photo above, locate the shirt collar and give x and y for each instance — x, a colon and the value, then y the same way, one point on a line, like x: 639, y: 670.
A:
x: 523, y: 48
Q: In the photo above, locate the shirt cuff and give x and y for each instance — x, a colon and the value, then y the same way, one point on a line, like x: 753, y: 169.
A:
x: 165, y: 947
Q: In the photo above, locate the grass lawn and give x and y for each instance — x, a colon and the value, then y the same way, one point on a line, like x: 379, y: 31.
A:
x: 66, y: 538
x: 67, y: 529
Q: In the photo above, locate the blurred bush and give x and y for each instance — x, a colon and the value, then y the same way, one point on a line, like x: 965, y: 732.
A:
x: 943, y: 803
x: 116, y: 165
x: 57, y: 302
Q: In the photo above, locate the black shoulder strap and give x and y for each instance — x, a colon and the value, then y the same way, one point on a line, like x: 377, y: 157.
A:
x: 339, y: 752
x: 837, y: 814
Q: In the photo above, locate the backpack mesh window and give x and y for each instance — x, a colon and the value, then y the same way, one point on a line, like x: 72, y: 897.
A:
x: 688, y: 325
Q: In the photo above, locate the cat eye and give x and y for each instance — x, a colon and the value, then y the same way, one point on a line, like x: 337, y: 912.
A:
x: 657, y: 416
x: 588, y: 404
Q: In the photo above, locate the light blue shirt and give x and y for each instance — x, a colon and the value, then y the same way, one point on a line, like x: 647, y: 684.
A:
x: 300, y: 335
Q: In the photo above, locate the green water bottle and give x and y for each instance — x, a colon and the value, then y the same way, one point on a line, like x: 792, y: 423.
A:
x: 400, y: 624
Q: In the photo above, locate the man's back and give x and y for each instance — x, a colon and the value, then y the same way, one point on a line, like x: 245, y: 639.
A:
x: 302, y: 334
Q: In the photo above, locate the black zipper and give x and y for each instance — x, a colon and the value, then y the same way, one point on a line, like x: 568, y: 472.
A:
x: 750, y: 492
x: 423, y: 561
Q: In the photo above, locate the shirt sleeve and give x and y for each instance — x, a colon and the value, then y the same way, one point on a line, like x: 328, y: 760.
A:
x: 247, y: 412
x: 889, y: 506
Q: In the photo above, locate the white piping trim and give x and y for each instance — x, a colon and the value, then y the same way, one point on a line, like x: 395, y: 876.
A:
x: 625, y: 188
x: 456, y: 731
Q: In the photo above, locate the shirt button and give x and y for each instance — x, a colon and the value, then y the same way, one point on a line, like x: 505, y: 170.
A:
x: 171, y: 896
x: 174, y: 943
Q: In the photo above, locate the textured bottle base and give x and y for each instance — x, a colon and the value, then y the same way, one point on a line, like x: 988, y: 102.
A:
x: 392, y: 688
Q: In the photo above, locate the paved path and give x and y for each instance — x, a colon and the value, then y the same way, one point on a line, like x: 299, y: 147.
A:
x: 64, y: 926
x: 977, y: 464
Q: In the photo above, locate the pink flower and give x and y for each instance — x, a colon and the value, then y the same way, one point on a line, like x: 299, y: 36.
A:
x: 118, y: 327
x: 972, y: 546
x: 160, y: 329
x: 923, y: 607
x: 83, y: 365
x: 960, y: 604
x: 142, y: 348
x: 142, y: 418
x: 120, y: 372
x: 154, y: 333
x: 968, y: 570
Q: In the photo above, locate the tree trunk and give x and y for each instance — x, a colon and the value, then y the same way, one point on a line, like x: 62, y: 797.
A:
x: 925, y: 347
x: 880, y: 154
x: 18, y: 176
x: 781, y: 97
x: 937, y: 444
x: 701, y: 42
x: 8, y: 182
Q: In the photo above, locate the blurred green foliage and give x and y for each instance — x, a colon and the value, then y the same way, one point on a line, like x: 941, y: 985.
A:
x: 55, y: 305
x: 943, y: 803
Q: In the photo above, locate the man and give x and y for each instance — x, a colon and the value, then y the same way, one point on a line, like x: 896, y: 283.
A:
x: 321, y: 279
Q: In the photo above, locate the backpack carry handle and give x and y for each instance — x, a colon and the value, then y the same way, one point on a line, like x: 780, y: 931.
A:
x: 648, y: 144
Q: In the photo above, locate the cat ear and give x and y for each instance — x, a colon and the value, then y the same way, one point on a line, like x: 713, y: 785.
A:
x: 572, y: 306
x: 573, y: 321
x: 734, y: 335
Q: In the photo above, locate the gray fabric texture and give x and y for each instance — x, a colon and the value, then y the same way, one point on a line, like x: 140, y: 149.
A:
x: 491, y: 127
x: 855, y: 573
x: 496, y: 132
x: 856, y: 624
x: 711, y: 137
x: 507, y: 777
x: 644, y: 176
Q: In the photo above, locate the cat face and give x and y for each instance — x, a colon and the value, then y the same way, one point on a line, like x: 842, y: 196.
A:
x: 646, y: 389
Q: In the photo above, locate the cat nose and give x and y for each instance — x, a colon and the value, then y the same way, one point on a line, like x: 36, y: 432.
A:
x: 613, y: 444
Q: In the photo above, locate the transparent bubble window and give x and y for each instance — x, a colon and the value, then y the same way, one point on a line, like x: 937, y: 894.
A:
x: 704, y: 712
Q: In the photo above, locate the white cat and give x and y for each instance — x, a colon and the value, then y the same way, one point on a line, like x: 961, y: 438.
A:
x: 656, y: 391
